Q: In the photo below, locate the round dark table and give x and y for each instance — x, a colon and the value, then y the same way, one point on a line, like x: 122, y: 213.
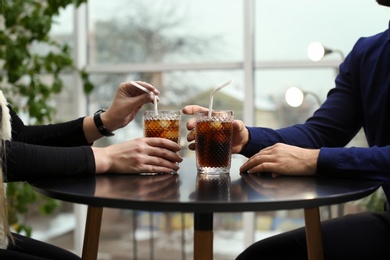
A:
x: 203, y: 195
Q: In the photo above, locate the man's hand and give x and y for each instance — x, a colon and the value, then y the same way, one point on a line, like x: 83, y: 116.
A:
x: 240, y: 132
x: 283, y: 159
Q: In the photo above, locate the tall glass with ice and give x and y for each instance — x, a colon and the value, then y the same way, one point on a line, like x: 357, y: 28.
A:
x: 213, y: 138
x: 162, y: 123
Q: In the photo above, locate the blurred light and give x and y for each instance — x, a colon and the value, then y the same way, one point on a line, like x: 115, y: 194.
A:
x: 316, y: 51
x: 294, y: 97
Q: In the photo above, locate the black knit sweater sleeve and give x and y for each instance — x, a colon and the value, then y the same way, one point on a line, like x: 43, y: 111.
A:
x: 28, y: 161
x: 63, y: 134
x: 47, y: 150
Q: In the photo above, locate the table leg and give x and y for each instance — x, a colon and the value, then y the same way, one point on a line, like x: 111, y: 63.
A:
x: 92, y: 233
x: 313, y: 234
x: 203, y: 236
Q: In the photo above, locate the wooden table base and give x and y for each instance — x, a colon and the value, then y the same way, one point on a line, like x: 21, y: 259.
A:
x: 203, y: 245
x: 203, y: 236
x: 313, y: 234
x: 92, y: 233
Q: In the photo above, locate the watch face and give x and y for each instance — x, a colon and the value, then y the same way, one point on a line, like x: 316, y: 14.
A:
x: 100, y: 111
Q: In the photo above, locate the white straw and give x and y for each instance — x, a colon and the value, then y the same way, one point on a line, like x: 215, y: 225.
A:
x: 139, y: 86
x: 155, y: 98
x: 215, y: 91
x: 155, y: 104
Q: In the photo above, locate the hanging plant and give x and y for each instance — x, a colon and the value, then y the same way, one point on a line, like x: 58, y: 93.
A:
x: 32, y: 63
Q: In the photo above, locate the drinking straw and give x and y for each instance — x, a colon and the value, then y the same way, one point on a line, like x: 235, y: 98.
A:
x: 147, y: 91
x: 140, y: 87
x: 213, y: 93
x: 155, y: 104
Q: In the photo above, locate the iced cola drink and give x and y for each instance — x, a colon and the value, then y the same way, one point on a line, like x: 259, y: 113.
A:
x: 213, y: 140
x: 162, y: 123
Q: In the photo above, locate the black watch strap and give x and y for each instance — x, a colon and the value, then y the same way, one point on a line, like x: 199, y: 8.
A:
x: 99, y: 123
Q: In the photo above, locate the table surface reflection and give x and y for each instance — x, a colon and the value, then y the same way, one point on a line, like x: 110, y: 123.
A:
x: 189, y: 192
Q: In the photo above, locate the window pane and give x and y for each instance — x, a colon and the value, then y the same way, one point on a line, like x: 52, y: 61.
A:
x: 283, y: 31
x: 271, y: 108
x: 63, y: 23
x: 134, y: 31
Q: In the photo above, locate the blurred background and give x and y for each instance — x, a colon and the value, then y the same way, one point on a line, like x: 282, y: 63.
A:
x: 185, y: 49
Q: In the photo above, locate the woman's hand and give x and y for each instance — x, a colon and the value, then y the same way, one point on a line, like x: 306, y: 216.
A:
x: 141, y: 155
x: 240, y: 133
x: 127, y: 102
x: 283, y: 159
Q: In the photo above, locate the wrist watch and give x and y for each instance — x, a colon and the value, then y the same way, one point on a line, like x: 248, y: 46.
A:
x: 99, y: 123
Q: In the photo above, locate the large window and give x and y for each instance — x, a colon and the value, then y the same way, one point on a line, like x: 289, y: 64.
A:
x: 166, y: 31
x: 186, y: 48
x: 283, y: 33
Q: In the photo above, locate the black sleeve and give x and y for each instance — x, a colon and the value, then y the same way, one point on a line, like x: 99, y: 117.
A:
x: 27, y: 161
x: 62, y: 134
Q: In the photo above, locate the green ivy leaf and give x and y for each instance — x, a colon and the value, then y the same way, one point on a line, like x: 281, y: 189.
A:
x: 28, y: 23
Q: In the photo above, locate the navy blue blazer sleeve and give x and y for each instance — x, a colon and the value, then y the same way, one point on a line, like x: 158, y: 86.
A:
x: 359, y: 99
